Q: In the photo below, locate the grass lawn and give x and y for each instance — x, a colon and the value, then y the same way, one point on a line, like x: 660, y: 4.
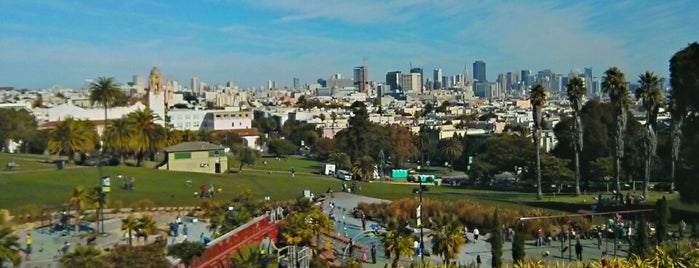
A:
x: 38, y: 184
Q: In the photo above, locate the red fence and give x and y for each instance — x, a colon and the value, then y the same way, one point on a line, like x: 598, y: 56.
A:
x: 219, y: 251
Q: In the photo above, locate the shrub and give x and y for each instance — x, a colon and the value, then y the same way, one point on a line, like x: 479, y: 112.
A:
x: 143, y: 205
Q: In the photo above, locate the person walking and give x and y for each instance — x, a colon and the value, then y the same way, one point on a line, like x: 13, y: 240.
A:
x: 578, y: 249
x: 28, y: 242
x: 599, y: 240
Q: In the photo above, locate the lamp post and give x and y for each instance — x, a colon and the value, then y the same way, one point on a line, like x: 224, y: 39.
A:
x: 422, y: 248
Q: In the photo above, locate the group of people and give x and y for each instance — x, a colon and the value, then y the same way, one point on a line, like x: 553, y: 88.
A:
x: 127, y: 183
x: 207, y: 191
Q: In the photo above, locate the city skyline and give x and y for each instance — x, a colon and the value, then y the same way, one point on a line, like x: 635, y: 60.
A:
x: 252, y: 42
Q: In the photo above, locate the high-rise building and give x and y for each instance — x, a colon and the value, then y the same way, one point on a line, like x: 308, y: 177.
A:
x: 393, y: 80
x: 139, y: 81
x: 502, y: 82
x: 271, y: 84
x: 411, y: 82
x: 437, y: 78
x: 418, y: 70
x: 297, y: 83
x: 479, y: 71
x: 196, y: 87
x: 361, y: 79
x: 588, y: 81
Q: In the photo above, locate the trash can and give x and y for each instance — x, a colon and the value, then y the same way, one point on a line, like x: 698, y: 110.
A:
x: 60, y: 164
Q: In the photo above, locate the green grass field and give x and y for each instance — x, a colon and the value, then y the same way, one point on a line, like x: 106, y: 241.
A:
x: 36, y: 183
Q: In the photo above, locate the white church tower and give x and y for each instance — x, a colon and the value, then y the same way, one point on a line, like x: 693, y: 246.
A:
x: 157, y: 92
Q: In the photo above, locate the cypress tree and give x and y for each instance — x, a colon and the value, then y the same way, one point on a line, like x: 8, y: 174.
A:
x: 496, y: 241
x: 641, y: 246
x: 518, y: 253
x: 662, y: 216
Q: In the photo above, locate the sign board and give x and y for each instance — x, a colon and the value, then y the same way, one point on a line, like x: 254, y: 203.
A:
x: 399, y: 174
x: 106, y: 185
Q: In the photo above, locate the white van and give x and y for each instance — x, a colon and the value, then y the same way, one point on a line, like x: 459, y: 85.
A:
x: 344, y: 175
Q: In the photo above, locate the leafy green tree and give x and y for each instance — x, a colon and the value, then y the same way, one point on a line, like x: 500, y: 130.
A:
x: 324, y: 147
x: 446, y: 237
x: 364, y: 168
x: 106, y: 92
x: 264, y: 124
x: 9, y: 246
x: 72, y: 136
x: 651, y: 97
x: 398, y: 240
x: 186, y: 251
x: 641, y: 246
x: 281, y: 147
x: 340, y: 159
x: 451, y: 149
x: 662, y: 217
x: 684, y: 97
x: 148, y: 135
x: 361, y: 137
x: 576, y: 91
x: 537, y: 98
x: 401, y: 145
x: 603, y: 167
x: 518, y: 252
x: 496, y: 241
x: 84, y: 257
x: 317, y: 223
x: 149, y: 255
x: 615, y: 85
x: 247, y: 156
x: 501, y: 153
x: 16, y: 125
x: 130, y: 225
x: 79, y: 199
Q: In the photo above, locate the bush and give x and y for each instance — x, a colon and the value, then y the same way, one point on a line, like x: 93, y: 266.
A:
x: 143, y: 205
x: 117, y: 205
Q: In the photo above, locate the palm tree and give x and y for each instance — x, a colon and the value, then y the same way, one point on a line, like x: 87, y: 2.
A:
x: 94, y: 199
x: 119, y: 137
x: 79, y: 199
x: 72, y: 136
x: 364, y: 168
x: 84, y: 256
x: 318, y: 222
x: 106, y: 92
x: 576, y: 91
x: 446, y: 237
x: 398, y: 240
x: 187, y: 251
x: 171, y: 136
x: 130, y: 224
x: 9, y: 245
x: 651, y: 97
x: 537, y: 97
x: 147, y: 225
x: 452, y: 148
x: 677, y: 114
x: 148, y: 134
x: 614, y: 84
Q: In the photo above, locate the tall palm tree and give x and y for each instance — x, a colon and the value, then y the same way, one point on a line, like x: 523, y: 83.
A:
x: 147, y: 226
x: 615, y: 85
x: 83, y: 257
x: 72, y: 136
x: 398, y: 240
x: 119, y: 137
x: 537, y: 98
x: 171, y: 136
x: 148, y: 135
x: 94, y: 199
x: 364, y: 168
x: 79, y: 198
x: 576, y: 91
x: 446, y: 237
x: 106, y: 92
x: 451, y: 148
x: 9, y: 245
x: 130, y: 224
x: 651, y: 98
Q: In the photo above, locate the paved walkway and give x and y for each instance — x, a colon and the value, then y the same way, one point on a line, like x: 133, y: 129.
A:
x: 468, y: 252
x: 47, y: 246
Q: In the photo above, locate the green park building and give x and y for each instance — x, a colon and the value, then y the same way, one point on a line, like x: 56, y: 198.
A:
x: 196, y: 156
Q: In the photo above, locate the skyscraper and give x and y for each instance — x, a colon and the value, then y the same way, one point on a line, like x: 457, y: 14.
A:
x: 196, y: 86
x: 525, y: 75
x: 437, y: 78
x: 361, y: 79
x: 588, y: 81
x: 297, y: 83
x: 479, y: 71
x: 393, y: 80
x: 411, y: 82
x: 418, y: 70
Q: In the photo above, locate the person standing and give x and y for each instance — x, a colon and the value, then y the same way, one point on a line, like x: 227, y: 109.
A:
x: 578, y: 249
x: 266, y: 247
x: 373, y: 253
x: 476, y: 233
x: 683, y: 228
x: 28, y: 242
x: 599, y: 239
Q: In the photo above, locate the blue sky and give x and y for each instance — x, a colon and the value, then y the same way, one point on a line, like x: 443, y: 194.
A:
x: 63, y: 42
